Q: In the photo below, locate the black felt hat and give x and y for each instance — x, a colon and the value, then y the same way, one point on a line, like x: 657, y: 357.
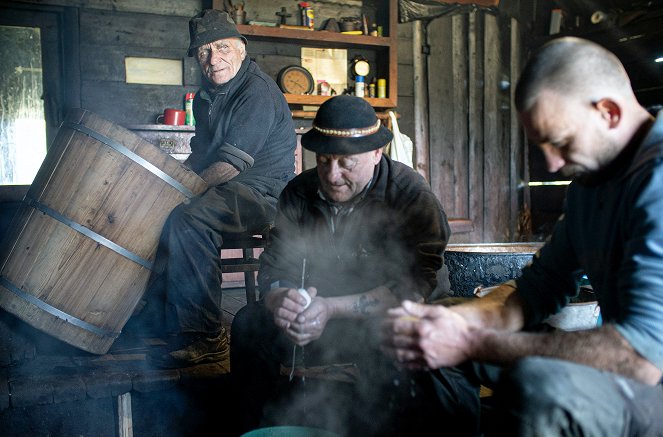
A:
x: 346, y: 125
x: 211, y: 25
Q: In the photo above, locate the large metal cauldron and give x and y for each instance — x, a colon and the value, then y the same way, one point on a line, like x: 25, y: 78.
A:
x: 486, y: 264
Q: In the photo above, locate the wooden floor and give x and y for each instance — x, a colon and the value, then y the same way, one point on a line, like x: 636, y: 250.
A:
x: 52, y: 378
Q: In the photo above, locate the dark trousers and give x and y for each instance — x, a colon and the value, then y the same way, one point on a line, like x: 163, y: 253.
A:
x: 541, y: 397
x: 384, y: 401
x: 184, y: 290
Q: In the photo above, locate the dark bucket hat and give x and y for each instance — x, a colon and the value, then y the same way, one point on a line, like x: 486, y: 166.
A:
x: 211, y: 25
x: 346, y: 125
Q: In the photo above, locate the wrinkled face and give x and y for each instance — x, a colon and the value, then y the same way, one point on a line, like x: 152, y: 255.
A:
x: 342, y: 177
x: 573, y: 134
x: 220, y: 60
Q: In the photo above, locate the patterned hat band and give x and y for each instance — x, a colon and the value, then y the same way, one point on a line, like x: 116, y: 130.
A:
x: 349, y: 133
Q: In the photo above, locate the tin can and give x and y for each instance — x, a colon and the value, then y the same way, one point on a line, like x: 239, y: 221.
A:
x: 382, y: 88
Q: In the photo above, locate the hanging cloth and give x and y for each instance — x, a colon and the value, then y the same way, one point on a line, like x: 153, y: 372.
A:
x: 401, y: 146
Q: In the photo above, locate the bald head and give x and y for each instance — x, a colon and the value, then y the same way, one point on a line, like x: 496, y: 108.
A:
x: 572, y: 67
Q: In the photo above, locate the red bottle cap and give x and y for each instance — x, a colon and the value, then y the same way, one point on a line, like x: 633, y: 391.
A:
x: 189, y: 96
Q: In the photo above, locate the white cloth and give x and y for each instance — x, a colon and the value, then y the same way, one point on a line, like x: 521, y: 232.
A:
x: 401, y: 146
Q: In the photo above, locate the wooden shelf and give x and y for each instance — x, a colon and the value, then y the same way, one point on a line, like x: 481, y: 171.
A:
x: 305, y: 99
x: 317, y: 37
x: 162, y: 127
x: 384, y: 46
x: 382, y: 115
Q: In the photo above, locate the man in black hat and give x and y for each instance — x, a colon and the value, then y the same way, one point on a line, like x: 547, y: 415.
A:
x: 244, y: 149
x: 359, y: 233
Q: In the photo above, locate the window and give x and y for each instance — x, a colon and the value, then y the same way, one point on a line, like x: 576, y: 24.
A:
x: 22, y: 121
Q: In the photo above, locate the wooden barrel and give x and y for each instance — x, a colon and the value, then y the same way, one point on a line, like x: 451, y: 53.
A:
x: 78, y: 254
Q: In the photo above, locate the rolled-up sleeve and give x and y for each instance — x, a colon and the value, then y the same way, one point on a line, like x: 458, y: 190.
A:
x: 640, y: 318
x: 235, y: 156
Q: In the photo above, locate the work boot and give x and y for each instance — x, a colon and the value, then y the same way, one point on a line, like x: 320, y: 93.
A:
x: 196, y: 350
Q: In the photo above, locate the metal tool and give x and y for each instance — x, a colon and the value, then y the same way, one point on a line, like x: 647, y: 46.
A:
x: 294, y: 346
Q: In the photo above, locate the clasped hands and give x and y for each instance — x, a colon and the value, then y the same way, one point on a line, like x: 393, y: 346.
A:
x: 422, y: 337
x: 301, y: 324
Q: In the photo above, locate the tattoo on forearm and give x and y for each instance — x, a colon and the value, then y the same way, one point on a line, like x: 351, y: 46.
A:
x: 363, y: 304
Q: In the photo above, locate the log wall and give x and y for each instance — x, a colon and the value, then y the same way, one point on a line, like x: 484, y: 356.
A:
x: 476, y: 145
x: 108, y: 31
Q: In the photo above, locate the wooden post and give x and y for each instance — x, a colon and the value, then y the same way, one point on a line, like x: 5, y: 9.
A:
x: 421, y: 152
x: 124, y: 417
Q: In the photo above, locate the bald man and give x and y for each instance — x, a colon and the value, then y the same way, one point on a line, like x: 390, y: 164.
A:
x: 575, y: 101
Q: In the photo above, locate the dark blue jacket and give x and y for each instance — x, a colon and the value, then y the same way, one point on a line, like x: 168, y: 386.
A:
x: 246, y: 122
x: 612, y: 231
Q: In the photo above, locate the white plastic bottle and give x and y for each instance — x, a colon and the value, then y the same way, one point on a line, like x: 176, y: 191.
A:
x: 359, y: 86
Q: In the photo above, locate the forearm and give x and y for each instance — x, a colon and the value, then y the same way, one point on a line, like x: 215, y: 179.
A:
x: 501, y: 310
x: 218, y: 173
x: 371, y: 303
x: 603, y: 348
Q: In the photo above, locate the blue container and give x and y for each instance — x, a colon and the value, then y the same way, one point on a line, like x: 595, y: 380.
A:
x: 290, y: 431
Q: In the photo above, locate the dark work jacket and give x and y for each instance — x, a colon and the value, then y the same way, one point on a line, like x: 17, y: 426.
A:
x: 246, y: 122
x: 612, y: 231
x: 395, y: 236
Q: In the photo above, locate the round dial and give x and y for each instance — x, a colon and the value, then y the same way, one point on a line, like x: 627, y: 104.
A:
x: 361, y: 68
x: 295, y: 80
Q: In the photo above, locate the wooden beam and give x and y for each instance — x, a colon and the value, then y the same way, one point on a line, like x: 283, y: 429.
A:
x: 124, y: 416
x: 421, y: 144
x: 486, y: 3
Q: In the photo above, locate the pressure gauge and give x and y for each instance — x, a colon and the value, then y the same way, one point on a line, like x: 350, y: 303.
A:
x: 295, y: 79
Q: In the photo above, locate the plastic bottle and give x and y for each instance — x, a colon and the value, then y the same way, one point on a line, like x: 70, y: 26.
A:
x: 359, y: 86
x: 307, y: 16
x: 188, y: 108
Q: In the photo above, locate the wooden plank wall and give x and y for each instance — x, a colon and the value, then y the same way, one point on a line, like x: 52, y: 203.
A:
x: 107, y: 37
x: 110, y: 30
x: 405, y: 80
x: 475, y: 144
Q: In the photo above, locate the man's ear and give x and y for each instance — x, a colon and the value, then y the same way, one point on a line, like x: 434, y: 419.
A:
x: 377, y: 155
x: 610, y: 111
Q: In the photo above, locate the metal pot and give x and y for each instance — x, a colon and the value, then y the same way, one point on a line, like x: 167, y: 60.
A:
x: 485, y: 264
x: 582, y: 312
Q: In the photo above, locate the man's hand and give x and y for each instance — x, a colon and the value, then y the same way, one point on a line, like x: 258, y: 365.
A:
x: 425, y: 336
x: 299, y: 323
x: 311, y: 322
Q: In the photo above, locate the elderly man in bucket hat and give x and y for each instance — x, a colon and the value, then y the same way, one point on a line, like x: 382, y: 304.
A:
x: 359, y: 233
x: 244, y: 149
